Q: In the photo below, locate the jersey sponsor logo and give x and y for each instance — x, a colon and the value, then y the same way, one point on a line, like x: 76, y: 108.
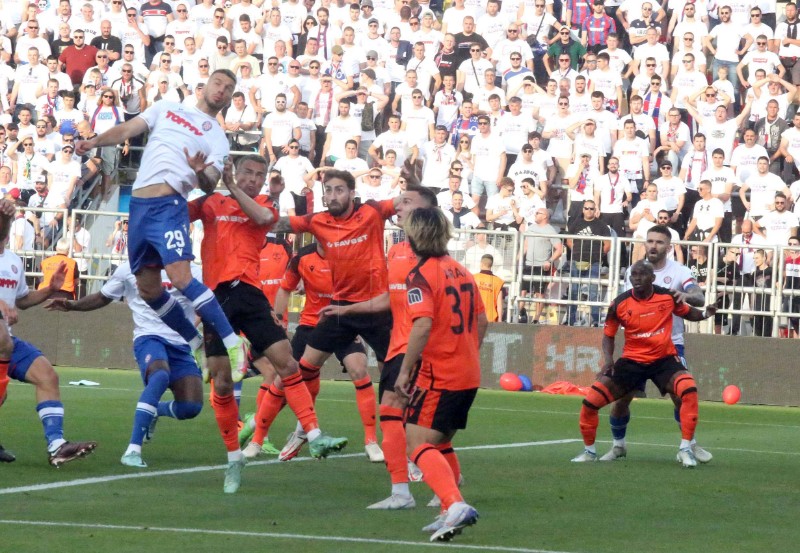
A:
x: 232, y: 219
x: 270, y: 282
x: 397, y: 287
x: 8, y: 283
x: 414, y: 296
x: 347, y: 242
x: 649, y: 334
x: 175, y: 118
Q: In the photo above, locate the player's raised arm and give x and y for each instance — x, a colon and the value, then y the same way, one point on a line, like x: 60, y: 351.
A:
x: 113, y: 136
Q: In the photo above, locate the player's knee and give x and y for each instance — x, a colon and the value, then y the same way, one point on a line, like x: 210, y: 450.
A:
x: 598, y: 397
x: 180, y: 274
x: 6, y: 345
x: 187, y: 409
x: 684, y: 386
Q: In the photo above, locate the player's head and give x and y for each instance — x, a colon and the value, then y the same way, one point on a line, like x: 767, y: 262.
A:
x: 642, y: 277
x: 428, y: 232
x: 339, y: 191
x: 251, y: 173
x: 219, y: 89
x: 414, y: 197
x: 658, y: 243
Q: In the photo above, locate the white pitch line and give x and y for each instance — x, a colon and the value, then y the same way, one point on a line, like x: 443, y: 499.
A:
x: 276, y: 535
x: 190, y: 470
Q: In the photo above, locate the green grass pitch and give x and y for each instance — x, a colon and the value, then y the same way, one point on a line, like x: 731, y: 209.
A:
x: 530, y: 497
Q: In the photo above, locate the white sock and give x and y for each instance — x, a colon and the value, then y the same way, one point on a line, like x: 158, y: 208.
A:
x: 686, y: 444
x: 591, y: 449
x: 619, y: 443
x: 53, y: 446
x: 314, y: 434
x: 133, y: 448
x: 235, y: 455
x: 401, y: 489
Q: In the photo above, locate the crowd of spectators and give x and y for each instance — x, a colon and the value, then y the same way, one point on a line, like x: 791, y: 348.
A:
x: 604, y: 117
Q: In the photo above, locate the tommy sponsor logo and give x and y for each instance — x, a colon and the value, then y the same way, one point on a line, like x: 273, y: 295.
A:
x: 414, y: 296
x: 175, y: 118
x: 348, y: 242
x: 8, y: 283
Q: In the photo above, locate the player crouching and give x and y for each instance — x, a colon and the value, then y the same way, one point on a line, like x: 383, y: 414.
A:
x: 645, y: 312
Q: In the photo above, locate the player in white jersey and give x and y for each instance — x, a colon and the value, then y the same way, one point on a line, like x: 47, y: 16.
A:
x: 164, y: 358
x: 24, y: 362
x: 679, y: 280
x: 187, y: 148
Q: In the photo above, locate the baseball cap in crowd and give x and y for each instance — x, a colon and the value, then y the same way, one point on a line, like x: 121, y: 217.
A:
x: 41, y: 178
x: 367, y: 3
x: 163, y: 80
x: 369, y: 73
x: 14, y: 193
x: 337, y: 50
x: 372, y: 54
x: 586, y: 154
x: 372, y: 20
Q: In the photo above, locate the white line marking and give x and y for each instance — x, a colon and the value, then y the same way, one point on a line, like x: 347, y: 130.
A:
x: 112, y: 478
x: 276, y: 535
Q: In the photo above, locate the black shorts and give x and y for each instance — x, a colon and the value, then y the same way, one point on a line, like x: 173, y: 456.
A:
x: 442, y: 410
x: 333, y: 331
x: 391, y: 368
x: 248, y: 310
x: 536, y: 287
x: 629, y: 375
x: 303, y: 332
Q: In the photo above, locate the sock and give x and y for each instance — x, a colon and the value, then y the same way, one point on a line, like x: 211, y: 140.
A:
x: 268, y: 409
x: 147, y: 407
x: 311, y: 378
x: 51, y: 413
x: 227, y: 416
x: 598, y: 397
x: 686, y: 390
x: 300, y: 402
x: 394, y: 443
x: 207, y: 306
x: 677, y: 414
x: 619, y: 427
x: 237, y: 392
x: 170, y: 311
x: 365, y: 400
x: 262, y: 390
x: 450, y: 456
x: 180, y: 410
x: 401, y: 489
x: 437, y: 474
x: 134, y: 448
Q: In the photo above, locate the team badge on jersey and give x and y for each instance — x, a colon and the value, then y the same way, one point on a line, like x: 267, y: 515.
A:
x: 207, y: 126
x: 414, y: 296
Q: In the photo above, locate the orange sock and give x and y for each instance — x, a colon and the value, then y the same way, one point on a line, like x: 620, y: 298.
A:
x: 598, y: 397
x: 394, y: 443
x: 300, y: 402
x: 452, y: 459
x: 437, y: 474
x: 268, y: 409
x: 311, y: 378
x: 227, y: 414
x: 260, y: 394
x: 365, y: 400
x: 686, y: 389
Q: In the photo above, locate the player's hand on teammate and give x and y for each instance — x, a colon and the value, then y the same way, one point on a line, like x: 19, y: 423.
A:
x: 678, y: 296
x: 197, y: 162
x: 332, y: 311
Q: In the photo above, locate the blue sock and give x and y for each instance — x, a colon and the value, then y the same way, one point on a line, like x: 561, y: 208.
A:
x: 237, y: 392
x: 170, y: 311
x: 619, y: 426
x: 677, y: 413
x: 179, y: 409
x: 51, y: 413
x: 207, y: 306
x: 146, y: 408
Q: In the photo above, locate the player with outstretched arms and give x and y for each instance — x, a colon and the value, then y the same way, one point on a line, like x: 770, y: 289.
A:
x: 165, y: 359
x: 440, y: 372
x: 24, y: 362
x: 186, y: 148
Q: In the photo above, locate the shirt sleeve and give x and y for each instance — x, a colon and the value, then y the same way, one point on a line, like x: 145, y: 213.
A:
x: 301, y: 223
x: 114, y: 288
x: 420, y: 296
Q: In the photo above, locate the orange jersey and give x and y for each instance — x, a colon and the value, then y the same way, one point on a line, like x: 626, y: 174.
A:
x: 274, y: 259
x: 490, y: 286
x: 353, y: 248
x: 401, y: 262
x: 315, y: 273
x: 648, y: 324
x: 231, y: 242
x: 442, y: 289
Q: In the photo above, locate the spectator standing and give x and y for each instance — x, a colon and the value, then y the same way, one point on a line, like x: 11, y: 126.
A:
x: 586, y: 258
x: 78, y: 58
x: 490, y: 287
x: 542, y: 255
x: 50, y: 265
